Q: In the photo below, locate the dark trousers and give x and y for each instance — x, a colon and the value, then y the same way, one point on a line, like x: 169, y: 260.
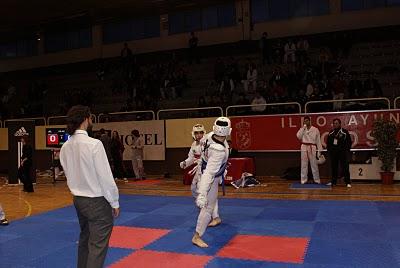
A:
x: 118, y: 170
x: 266, y: 58
x: 96, y: 222
x: 340, y: 158
x: 24, y: 174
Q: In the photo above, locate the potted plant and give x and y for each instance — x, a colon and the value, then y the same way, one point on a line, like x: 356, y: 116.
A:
x: 385, y: 133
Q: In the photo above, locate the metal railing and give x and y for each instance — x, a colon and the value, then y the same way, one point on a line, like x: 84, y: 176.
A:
x: 126, y: 116
x: 39, y: 121
x: 342, y: 102
x: 395, y: 102
x: 242, y: 108
x: 61, y: 120
x: 210, y: 111
x: 192, y: 112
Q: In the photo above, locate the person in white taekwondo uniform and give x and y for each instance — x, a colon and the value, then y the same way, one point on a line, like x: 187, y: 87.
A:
x: 194, y: 157
x: 3, y: 219
x: 137, y: 155
x: 214, y: 158
x: 311, y: 148
x: 92, y: 185
x: 194, y: 154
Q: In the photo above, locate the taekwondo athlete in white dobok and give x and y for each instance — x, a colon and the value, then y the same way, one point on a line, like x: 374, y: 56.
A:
x: 194, y: 155
x: 214, y: 158
x: 311, y: 148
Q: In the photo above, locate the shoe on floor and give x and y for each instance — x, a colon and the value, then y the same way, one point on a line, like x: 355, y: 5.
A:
x: 4, y: 222
x: 329, y: 184
x: 234, y: 185
x: 348, y: 185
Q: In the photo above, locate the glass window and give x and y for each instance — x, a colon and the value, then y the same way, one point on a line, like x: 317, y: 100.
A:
x: 278, y: 9
x: 192, y: 20
x: 393, y: 2
x: 259, y: 10
x: 226, y: 15
x: 209, y: 18
x: 298, y: 8
x: 349, y: 5
x: 318, y: 7
x: 176, y: 23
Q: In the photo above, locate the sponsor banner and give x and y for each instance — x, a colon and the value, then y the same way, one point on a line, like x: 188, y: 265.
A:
x: 3, y: 139
x: 152, y: 133
x: 179, y: 131
x: 16, y: 130
x: 278, y: 132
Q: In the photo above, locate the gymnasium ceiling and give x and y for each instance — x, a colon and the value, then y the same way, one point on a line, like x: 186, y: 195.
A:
x: 16, y: 15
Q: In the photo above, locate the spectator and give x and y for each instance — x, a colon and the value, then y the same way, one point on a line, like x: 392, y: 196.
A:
x: 24, y: 171
x: 290, y: 52
x: 251, y: 79
x: 302, y: 50
x: 232, y: 151
x: 219, y: 73
x: 126, y: 52
x: 265, y: 49
x: 105, y: 139
x: 338, y: 87
x: 258, y: 100
x: 193, y: 53
x: 278, y: 52
x: 117, y: 150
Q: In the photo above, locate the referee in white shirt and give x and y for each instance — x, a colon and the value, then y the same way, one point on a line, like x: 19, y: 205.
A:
x: 91, y: 182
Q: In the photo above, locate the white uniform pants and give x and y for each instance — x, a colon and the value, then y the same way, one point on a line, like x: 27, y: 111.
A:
x: 137, y: 165
x: 211, y: 210
x: 308, y: 154
x: 2, y: 214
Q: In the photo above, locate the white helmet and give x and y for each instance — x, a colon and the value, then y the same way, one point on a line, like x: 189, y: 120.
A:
x: 320, y: 159
x: 222, y: 126
x: 198, y: 128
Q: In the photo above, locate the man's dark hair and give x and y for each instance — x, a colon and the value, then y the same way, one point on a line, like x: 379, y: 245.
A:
x: 102, y: 131
x: 337, y: 119
x: 307, y: 117
x: 75, y: 117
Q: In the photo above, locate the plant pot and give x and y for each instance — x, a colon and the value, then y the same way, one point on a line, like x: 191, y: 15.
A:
x: 387, y: 177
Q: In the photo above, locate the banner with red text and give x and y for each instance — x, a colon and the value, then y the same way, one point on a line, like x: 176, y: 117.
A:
x: 278, y: 132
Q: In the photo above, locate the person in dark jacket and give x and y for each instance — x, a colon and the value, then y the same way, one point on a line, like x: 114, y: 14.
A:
x: 24, y: 171
x: 117, y: 150
x: 339, y: 145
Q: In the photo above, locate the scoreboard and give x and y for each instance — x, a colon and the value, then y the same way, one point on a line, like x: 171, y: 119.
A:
x: 56, y: 137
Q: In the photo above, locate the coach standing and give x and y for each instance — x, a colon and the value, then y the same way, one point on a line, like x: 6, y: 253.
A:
x: 339, y: 145
x: 91, y: 183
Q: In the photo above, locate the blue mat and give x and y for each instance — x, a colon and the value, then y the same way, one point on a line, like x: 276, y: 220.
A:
x: 340, y: 233
x: 310, y: 186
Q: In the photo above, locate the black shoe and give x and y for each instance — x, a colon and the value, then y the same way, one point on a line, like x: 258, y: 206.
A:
x: 4, y: 222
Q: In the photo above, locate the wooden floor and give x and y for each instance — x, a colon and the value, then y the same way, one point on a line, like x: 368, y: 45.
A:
x: 49, y: 196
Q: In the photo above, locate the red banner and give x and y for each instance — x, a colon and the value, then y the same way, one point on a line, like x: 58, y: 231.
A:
x: 278, y: 132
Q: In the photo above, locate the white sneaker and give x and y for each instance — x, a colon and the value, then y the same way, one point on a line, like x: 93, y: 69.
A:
x: 303, y: 182
x: 329, y: 184
x: 234, y: 185
x: 348, y: 185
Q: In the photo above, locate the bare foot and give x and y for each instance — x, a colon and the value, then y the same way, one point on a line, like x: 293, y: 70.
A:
x: 198, y: 241
x: 215, y: 222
